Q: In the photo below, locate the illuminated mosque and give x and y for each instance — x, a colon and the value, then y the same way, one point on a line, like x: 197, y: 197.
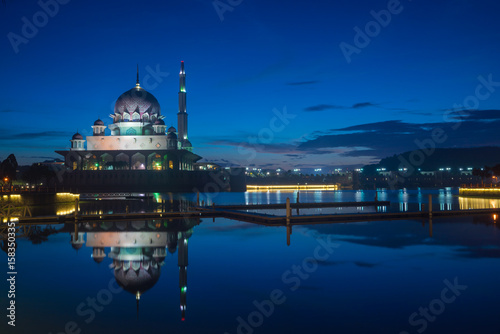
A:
x: 139, y: 137
x: 138, y: 250
x: 141, y: 154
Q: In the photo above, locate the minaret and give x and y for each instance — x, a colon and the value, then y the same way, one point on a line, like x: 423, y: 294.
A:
x: 182, y: 114
x: 137, y: 85
x: 182, y: 260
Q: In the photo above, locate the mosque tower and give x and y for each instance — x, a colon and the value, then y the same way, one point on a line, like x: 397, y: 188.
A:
x: 182, y: 121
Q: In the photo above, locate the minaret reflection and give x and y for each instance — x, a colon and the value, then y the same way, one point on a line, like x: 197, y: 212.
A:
x: 138, y: 250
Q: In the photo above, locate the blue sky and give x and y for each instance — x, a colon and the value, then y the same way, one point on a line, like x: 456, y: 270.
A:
x: 247, y: 62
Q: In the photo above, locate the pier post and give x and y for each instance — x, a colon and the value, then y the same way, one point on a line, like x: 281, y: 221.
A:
x: 126, y: 209
x: 297, y: 196
x: 376, y: 196
x: 76, y: 231
x: 288, y: 233
x: 430, y: 206
x: 198, y: 198
x: 288, y: 211
x: 76, y: 208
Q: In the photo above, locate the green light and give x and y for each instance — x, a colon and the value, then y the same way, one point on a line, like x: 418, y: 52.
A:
x: 184, y: 289
x: 96, y: 164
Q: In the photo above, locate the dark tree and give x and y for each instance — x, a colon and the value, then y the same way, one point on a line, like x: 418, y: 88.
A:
x: 483, y: 173
x: 8, y: 168
x: 38, y: 173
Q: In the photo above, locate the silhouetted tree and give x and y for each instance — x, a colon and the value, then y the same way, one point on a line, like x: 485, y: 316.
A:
x: 8, y: 167
x: 38, y: 173
x: 483, y: 173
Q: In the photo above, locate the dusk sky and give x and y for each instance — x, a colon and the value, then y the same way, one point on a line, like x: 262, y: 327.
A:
x: 289, y: 84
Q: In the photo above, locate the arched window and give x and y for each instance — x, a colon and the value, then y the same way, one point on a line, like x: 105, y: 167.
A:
x: 145, y: 117
x: 126, y: 117
x: 136, y: 116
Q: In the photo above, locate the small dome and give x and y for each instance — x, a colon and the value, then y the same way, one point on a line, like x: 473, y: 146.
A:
x: 171, y: 135
x: 171, y: 129
x: 76, y: 246
x: 187, y: 143
x: 98, y: 259
x: 77, y: 136
x: 159, y: 122
x: 98, y: 122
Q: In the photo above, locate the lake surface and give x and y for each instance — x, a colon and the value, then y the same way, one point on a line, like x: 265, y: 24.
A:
x: 223, y: 276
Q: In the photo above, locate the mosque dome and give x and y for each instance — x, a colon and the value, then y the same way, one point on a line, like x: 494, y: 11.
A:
x: 77, y: 136
x: 139, y: 280
x: 187, y: 143
x: 98, y: 122
x: 159, y: 122
x: 171, y: 129
x: 137, y: 100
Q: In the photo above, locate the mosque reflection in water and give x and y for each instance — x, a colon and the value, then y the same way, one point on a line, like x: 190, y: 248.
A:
x: 138, y: 250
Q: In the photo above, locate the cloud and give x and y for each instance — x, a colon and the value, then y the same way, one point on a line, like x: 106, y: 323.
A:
x: 7, y: 110
x: 322, y: 107
x: 480, y: 115
x: 34, y: 135
x: 40, y: 157
x: 363, y: 105
x: 301, y: 83
x: 382, y: 139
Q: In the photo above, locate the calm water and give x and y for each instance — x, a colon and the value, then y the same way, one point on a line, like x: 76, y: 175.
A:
x: 231, y: 277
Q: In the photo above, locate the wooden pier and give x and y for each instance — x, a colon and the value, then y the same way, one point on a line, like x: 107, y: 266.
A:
x: 237, y: 212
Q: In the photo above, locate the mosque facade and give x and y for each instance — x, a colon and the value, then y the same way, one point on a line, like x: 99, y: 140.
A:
x: 136, y: 152
x: 139, y: 139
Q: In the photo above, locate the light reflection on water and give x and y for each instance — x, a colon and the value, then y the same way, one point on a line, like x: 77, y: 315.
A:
x: 401, y: 201
x: 377, y: 277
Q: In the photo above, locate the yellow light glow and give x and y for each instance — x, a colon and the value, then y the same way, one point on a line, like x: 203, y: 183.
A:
x: 292, y: 187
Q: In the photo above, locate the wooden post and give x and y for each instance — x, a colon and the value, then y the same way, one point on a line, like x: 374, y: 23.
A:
x: 76, y: 208
x: 288, y: 211
x: 430, y: 215
x: 76, y: 232
x: 297, y: 196
x: 198, y: 198
x: 126, y: 209
x: 376, y: 196
x: 430, y: 206
x: 288, y: 233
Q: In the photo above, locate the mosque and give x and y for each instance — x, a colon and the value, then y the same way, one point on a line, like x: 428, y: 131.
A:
x: 137, y: 250
x: 140, y: 153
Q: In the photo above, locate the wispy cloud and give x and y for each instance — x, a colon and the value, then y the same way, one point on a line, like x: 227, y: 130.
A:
x: 363, y: 105
x: 301, y: 83
x: 322, y: 107
x: 34, y: 135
